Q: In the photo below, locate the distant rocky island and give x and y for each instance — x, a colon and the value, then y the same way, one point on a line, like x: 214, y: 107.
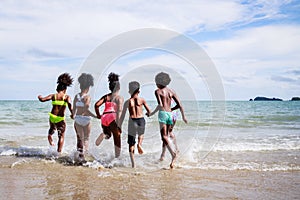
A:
x: 272, y: 99
x: 266, y: 99
x: 295, y: 99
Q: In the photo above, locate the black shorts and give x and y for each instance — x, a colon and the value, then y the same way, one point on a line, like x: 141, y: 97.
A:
x: 135, y: 126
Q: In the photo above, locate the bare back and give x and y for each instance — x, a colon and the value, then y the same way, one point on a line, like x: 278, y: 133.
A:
x: 135, y: 107
x: 58, y: 109
x: 164, y: 97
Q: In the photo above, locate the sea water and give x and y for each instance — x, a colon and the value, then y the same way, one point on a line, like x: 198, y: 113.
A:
x: 258, y: 136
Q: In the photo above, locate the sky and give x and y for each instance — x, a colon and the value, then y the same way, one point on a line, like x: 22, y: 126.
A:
x: 254, y: 45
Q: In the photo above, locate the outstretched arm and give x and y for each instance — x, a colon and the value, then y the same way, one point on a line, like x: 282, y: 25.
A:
x: 153, y: 112
x: 46, y: 98
x: 179, y: 105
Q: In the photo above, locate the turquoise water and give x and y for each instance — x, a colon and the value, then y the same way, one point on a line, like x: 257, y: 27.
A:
x: 221, y: 135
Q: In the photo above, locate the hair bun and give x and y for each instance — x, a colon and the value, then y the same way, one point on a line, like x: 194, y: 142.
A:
x: 113, y: 77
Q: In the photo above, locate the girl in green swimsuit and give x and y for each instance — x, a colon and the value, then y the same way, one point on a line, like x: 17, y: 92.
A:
x: 57, y: 115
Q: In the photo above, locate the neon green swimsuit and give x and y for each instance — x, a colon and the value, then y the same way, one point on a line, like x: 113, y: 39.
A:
x: 59, y: 102
x: 54, y: 118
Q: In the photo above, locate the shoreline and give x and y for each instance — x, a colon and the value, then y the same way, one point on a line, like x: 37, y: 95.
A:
x: 32, y: 178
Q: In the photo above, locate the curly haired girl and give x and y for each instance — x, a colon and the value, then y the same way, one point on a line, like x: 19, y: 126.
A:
x: 57, y: 115
x: 82, y: 113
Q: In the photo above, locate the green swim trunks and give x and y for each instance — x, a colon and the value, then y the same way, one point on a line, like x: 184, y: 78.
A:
x: 165, y: 117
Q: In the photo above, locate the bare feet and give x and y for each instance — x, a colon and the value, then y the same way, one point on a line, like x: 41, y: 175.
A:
x: 173, y: 160
x: 99, y: 139
x: 162, y: 157
x: 50, y: 140
x: 140, y: 149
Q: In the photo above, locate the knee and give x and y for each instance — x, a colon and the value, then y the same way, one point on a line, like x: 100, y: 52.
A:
x: 131, y: 149
x: 51, y: 131
x: 164, y: 138
x: 86, y: 138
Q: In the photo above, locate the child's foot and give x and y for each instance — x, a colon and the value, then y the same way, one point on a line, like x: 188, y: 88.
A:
x: 50, y: 140
x: 173, y: 160
x: 99, y: 139
x: 140, y: 149
x: 162, y: 158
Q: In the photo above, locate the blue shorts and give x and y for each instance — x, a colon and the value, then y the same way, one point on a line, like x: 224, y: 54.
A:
x: 165, y: 117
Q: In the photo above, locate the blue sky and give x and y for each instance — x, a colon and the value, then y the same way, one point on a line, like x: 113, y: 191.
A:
x: 255, y: 45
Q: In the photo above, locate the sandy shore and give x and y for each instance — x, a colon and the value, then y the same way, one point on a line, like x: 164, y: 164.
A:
x: 33, y: 178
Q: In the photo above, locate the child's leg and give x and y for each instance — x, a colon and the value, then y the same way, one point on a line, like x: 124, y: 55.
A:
x: 131, y: 154
x: 79, y: 135
x: 61, y: 128
x: 139, y: 145
x: 50, y: 133
x: 106, y: 134
x: 172, y: 136
x: 174, y: 156
x: 50, y: 140
x: 140, y: 129
x: 100, y: 139
x: 86, y: 131
x: 163, y: 152
x: 61, y: 140
x: 164, y: 135
x: 117, y: 138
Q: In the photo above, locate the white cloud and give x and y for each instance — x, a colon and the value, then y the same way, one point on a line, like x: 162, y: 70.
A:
x: 257, y: 58
x: 45, y: 36
x: 267, y: 42
x: 75, y: 27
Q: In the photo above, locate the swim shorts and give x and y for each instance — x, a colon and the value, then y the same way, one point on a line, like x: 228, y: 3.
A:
x: 165, y: 117
x: 135, y: 126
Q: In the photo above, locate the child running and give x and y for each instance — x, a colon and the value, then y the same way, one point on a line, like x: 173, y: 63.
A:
x: 82, y: 114
x: 171, y: 128
x: 136, y: 122
x: 112, y: 111
x: 164, y: 96
x: 57, y: 115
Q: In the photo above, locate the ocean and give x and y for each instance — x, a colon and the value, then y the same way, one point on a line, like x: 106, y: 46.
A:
x: 252, y: 137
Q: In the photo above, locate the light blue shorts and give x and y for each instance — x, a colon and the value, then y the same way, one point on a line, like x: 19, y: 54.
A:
x: 165, y: 117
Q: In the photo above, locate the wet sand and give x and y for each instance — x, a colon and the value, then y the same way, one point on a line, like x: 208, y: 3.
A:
x: 35, y: 178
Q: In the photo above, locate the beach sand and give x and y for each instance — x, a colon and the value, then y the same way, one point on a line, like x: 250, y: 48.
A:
x: 38, y: 178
